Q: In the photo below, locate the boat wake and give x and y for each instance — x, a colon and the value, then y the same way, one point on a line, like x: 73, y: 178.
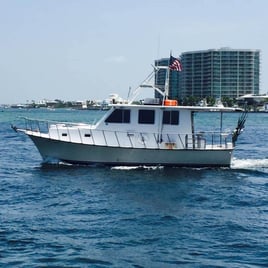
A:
x: 250, y: 164
x: 237, y: 164
x: 137, y: 167
x: 247, y: 164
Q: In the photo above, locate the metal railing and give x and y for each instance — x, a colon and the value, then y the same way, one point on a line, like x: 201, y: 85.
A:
x: 85, y: 134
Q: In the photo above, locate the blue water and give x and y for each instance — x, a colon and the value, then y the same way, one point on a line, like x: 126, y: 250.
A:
x: 69, y: 216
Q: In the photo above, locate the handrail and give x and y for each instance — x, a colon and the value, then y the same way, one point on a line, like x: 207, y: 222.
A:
x: 49, y: 122
x: 68, y: 132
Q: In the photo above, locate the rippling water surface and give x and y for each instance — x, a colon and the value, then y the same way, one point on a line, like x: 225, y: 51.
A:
x: 69, y: 216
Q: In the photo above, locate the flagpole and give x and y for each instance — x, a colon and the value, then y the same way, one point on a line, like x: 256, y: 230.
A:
x: 167, y: 83
x: 167, y: 79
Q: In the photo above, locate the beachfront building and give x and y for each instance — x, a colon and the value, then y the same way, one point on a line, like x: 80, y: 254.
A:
x: 215, y: 73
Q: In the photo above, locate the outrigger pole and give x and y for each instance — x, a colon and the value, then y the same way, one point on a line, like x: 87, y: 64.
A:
x: 240, y: 126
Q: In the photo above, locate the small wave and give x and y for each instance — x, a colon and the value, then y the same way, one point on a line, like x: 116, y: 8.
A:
x: 55, y: 165
x: 249, y: 163
x: 137, y: 167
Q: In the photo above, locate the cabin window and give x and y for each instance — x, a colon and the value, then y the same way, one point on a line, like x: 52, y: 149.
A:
x: 119, y: 116
x: 146, y: 116
x: 171, y: 117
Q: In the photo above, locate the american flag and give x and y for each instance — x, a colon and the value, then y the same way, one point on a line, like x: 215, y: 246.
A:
x: 175, y: 64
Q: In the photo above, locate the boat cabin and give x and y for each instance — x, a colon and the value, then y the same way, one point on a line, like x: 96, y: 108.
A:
x: 154, y: 124
x: 148, y: 119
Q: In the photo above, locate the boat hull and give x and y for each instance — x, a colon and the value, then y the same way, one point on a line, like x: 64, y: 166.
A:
x: 78, y: 153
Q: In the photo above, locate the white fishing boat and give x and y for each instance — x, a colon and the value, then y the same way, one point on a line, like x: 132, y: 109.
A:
x: 154, y: 132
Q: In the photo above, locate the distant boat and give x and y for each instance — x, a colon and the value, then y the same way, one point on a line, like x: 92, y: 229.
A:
x: 155, y: 132
x: 203, y: 103
x: 219, y: 104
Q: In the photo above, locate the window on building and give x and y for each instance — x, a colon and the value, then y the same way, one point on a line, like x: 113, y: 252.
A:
x: 119, y: 116
x: 171, y: 117
x: 146, y: 116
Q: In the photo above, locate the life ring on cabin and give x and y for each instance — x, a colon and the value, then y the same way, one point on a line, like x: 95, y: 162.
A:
x: 170, y: 102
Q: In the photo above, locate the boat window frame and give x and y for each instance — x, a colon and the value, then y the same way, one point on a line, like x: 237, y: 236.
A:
x: 119, y: 116
x: 146, y: 116
x: 171, y: 117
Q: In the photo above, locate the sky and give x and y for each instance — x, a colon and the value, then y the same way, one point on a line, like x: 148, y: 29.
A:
x: 88, y: 49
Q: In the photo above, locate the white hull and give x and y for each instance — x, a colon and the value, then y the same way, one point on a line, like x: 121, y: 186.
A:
x: 107, y: 155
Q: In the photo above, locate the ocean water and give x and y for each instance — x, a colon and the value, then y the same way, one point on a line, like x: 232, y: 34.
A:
x: 77, y: 216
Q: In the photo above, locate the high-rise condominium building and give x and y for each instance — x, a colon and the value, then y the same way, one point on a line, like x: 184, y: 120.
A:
x: 214, y: 73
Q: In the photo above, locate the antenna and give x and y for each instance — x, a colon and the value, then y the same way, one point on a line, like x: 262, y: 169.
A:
x: 128, y: 94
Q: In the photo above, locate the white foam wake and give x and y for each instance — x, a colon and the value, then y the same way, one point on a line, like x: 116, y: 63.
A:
x: 249, y: 163
x: 137, y: 167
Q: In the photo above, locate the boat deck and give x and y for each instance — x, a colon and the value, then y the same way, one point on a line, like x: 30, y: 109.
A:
x: 172, y: 141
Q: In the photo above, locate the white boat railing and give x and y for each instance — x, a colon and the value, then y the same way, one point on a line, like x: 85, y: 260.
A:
x: 85, y: 134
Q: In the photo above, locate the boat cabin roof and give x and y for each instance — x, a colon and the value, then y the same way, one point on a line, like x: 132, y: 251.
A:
x: 185, y: 108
